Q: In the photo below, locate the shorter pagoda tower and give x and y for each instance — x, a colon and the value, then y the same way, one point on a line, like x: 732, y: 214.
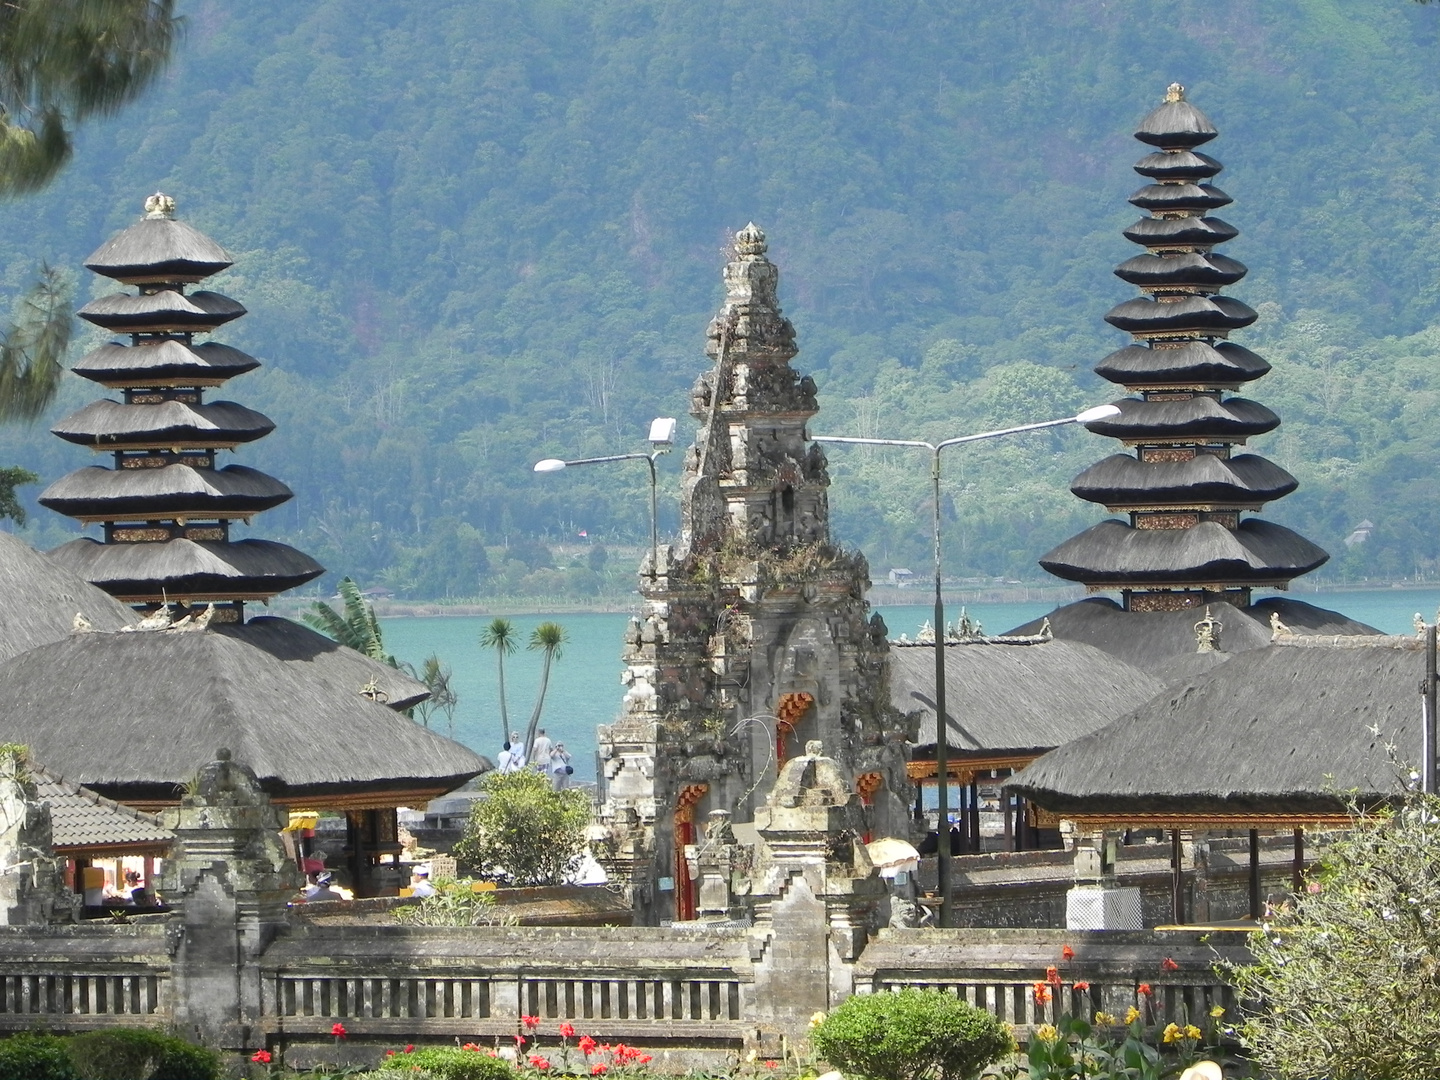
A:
x: 1181, y: 483
x: 165, y: 507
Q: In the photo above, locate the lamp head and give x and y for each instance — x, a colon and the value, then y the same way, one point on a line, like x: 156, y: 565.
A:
x: 550, y: 464
x: 662, y: 430
x: 1099, y: 412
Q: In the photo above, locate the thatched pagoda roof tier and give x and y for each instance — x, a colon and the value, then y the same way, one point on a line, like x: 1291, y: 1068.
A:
x: 1015, y: 697
x: 161, y: 312
x: 190, y: 570
x: 43, y: 598
x: 1122, y: 481
x: 99, y: 494
x: 163, y: 362
x: 1163, y: 642
x: 1199, y: 417
x: 159, y: 250
x: 1169, y: 197
x: 112, y: 425
x: 1201, y: 270
x: 1176, y: 124
x: 1208, y: 554
x: 288, y: 702
x: 1190, y: 314
x: 1191, y: 363
x: 1178, y: 165
x: 1180, y: 233
x: 1276, y: 731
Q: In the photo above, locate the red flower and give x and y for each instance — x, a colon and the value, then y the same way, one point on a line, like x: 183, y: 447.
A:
x: 772, y: 1064
x: 531, y: 1022
x: 1144, y: 990
x: 598, y: 1069
x: 644, y: 1059
x: 586, y: 1045
x: 261, y: 1056
x: 338, y: 1031
x: 1067, y: 953
x: 567, y: 1031
x: 519, y: 1040
x: 1042, y: 993
x: 1082, y: 986
x: 1052, y: 976
x: 410, y: 1049
x: 471, y: 1046
x: 1169, y: 965
x: 389, y: 1053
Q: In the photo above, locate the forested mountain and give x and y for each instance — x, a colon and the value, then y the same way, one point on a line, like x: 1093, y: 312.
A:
x: 473, y: 233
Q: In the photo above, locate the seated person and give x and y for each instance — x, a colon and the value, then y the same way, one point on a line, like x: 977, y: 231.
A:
x: 322, y: 889
x: 420, y: 883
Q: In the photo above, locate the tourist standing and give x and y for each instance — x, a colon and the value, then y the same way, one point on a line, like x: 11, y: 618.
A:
x: 540, y: 751
x: 560, y: 769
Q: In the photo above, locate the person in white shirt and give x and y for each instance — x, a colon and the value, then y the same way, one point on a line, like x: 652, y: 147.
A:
x: 560, y: 769
x: 540, y: 751
x: 421, y: 883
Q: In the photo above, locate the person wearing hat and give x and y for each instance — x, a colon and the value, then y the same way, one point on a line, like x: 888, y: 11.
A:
x: 420, y: 882
x: 322, y: 889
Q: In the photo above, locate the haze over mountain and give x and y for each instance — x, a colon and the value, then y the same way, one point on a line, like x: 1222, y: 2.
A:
x: 474, y: 233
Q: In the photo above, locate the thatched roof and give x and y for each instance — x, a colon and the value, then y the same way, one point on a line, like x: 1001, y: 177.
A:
x: 1124, y: 480
x: 144, y: 494
x: 1013, y: 697
x: 158, y: 249
x: 1191, y: 268
x: 133, y: 715
x: 165, y: 360
x: 1163, y: 642
x: 1193, y: 362
x: 1175, y: 125
x: 1281, y: 730
x: 1113, y: 553
x: 1216, y: 314
x: 159, y: 311
x: 84, y: 820
x: 113, y: 425
x: 1200, y: 415
x: 1174, y: 232
x: 195, y: 569
x: 42, y: 598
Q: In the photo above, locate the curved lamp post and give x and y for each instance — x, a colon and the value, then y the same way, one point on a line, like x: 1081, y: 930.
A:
x: 662, y: 436
x: 942, y: 735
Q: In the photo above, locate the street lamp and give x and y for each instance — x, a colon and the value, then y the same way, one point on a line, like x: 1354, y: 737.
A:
x: 662, y: 435
x: 942, y: 735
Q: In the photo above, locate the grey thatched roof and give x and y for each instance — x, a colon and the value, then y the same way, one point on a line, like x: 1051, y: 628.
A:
x: 113, y: 425
x: 1175, y: 125
x: 1194, y: 362
x: 1257, y: 552
x: 1163, y: 642
x: 1209, y: 269
x: 193, y: 568
x: 1180, y: 165
x: 1154, y: 232
x: 1016, y: 697
x: 1217, y: 314
x: 133, y: 715
x: 42, y: 598
x: 1167, y: 198
x: 1278, y: 730
x: 1200, y: 415
x: 112, y: 494
x: 158, y: 249
x: 166, y: 310
x: 167, y: 359
x: 1123, y: 479
x: 84, y: 819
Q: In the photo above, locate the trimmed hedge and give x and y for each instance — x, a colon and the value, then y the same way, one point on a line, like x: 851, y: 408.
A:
x: 911, y: 1034
x: 25, y: 1056
x: 451, y: 1063
x: 128, y: 1053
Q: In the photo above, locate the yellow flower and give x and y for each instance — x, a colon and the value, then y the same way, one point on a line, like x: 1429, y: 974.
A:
x: 1172, y: 1034
x: 1131, y: 1015
x: 1047, y: 1033
x: 1192, y: 1032
x: 1217, y: 1012
x: 1104, y: 1019
x: 816, y: 1019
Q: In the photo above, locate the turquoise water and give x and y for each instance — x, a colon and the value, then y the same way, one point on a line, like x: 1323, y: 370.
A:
x: 585, y: 685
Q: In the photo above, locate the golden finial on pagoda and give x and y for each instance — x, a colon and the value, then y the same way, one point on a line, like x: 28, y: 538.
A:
x: 1174, y: 92
x: 159, y: 205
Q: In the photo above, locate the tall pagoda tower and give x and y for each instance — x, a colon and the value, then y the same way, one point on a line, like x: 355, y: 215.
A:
x: 1183, y: 482
x: 165, y: 507
x: 754, y: 637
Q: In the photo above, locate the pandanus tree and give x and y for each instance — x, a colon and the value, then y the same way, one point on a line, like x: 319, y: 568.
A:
x: 500, y: 636
x: 548, y: 637
x: 354, y: 625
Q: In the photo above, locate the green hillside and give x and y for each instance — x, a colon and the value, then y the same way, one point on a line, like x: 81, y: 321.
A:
x: 473, y: 233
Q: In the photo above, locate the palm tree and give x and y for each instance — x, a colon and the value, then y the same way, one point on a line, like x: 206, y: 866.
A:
x: 357, y: 627
x: 500, y: 636
x: 548, y: 636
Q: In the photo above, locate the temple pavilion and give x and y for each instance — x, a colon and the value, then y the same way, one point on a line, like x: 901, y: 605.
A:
x: 133, y: 707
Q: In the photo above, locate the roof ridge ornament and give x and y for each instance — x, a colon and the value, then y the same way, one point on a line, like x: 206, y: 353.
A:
x: 159, y: 207
x: 750, y: 242
x: 1174, y: 92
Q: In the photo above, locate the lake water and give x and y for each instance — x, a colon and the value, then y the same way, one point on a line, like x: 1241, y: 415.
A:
x: 585, y: 687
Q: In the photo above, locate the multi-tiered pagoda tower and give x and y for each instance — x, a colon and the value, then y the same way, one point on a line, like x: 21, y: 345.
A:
x: 165, y: 507
x: 1183, y: 484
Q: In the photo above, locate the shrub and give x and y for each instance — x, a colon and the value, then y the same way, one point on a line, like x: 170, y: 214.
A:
x: 911, y: 1035
x: 451, y: 1063
x: 35, y: 1057
x: 128, y: 1053
x: 523, y: 832
x: 455, y: 903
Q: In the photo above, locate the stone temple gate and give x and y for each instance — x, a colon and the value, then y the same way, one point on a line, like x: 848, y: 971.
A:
x: 754, y: 635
